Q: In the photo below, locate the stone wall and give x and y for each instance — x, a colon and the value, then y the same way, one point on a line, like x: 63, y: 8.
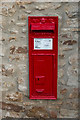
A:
x: 15, y: 92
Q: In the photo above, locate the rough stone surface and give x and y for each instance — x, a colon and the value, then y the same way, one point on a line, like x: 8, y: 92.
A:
x: 69, y: 113
x: 8, y: 106
x: 71, y: 11
x: 14, y: 73
x: 37, y: 112
x: 14, y: 97
x: 61, y: 73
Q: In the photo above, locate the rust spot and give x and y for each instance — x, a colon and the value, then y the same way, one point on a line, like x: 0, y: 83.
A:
x: 53, y: 114
x: 21, y: 50
x: 70, y: 42
x: 12, y: 38
x: 13, y: 6
x: 23, y: 17
x: 65, y: 35
x: 3, y: 39
x: 15, y: 97
x: 17, y: 58
x: 75, y: 93
x: 63, y: 91
x: 6, y: 72
x: 3, y: 68
x: 21, y: 6
x: 61, y: 56
x: 12, y: 49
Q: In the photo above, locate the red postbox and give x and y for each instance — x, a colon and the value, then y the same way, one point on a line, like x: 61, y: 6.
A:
x: 43, y: 54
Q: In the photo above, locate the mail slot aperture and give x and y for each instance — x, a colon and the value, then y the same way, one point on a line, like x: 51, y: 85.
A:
x: 43, y: 55
x: 41, y: 26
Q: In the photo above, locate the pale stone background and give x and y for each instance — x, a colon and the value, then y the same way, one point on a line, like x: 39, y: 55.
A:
x: 14, y: 55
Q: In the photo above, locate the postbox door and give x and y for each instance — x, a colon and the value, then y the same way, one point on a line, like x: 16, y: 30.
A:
x: 43, y: 75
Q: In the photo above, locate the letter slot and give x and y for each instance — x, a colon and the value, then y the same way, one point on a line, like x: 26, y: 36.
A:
x: 46, y: 26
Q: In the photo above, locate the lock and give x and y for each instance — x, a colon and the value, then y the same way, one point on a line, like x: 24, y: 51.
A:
x: 43, y: 56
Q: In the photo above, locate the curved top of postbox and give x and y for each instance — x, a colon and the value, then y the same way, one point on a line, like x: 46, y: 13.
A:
x: 42, y: 22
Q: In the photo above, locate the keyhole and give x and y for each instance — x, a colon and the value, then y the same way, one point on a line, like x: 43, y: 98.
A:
x: 38, y: 78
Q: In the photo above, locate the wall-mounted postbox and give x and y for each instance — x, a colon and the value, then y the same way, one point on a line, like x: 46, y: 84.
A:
x: 43, y: 53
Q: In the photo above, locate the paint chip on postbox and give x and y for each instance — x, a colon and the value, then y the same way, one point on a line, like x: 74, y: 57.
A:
x: 43, y: 43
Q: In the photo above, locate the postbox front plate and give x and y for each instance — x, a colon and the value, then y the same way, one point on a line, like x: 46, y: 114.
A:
x: 43, y: 52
